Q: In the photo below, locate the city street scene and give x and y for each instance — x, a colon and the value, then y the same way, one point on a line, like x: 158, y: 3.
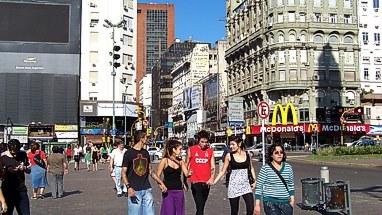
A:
x: 190, y: 107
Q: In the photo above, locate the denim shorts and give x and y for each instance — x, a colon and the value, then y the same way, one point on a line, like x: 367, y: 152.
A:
x: 278, y: 208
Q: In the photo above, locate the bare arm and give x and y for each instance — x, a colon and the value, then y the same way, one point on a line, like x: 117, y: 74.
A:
x: 124, y: 175
x: 188, y: 159
x: 252, y: 172
x: 186, y: 172
x: 161, y: 166
x: 224, y: 169
x: 211, y: 180
x: 111, y: 165
x: 157, y: 179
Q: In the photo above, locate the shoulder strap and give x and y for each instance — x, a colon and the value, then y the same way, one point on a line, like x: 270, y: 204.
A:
x: 280, y: 176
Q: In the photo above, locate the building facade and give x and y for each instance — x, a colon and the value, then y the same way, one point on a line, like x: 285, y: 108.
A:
x: 156, y: 30
x: 303, y: 53
x: 162, y: 80
x: 98, y: 85
x: 39, y: 67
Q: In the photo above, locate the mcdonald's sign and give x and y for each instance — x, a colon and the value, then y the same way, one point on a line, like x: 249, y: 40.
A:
x: 284, y: 114
x: 312, y: 128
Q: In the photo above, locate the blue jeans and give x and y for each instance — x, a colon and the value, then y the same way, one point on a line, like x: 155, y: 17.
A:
x: 144, y: 204
x: 118, y: 180
x: 278, y: 208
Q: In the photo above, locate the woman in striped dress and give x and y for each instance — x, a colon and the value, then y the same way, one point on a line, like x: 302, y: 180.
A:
x: 278, y: 195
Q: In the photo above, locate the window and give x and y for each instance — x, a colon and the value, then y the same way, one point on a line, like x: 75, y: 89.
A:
x: 280, y: 17
x: 332, y: 3
x: 378, y: 74
x: 318, y: 39
x: 302, y: 2
x: 302, y: 17
x: 317, y: 3
x: 317, y: 17
x: 347, y: 4
x: 127, y: 40
x: 282, y: 57
x: 293, y: 75
x: 292, y: 38
x: 365, y: 37
x: 93, y: 96
x: 93, y: 57
x: 292, y: 17
x: 93, y: 77
x: 279, y: 2
x: 333, y: 18
x: 281, y: 38
x: 292, y: 56
x: 366, y: 59
x: 303, y: 38
x: 375, y: 3
x: 93, y: 37
x: 377, y: 37
x: 366, y: 73
x: 333, y: 40
x: 304, y: 56
x: 348, y: 40
x: 282, y: 75
x: 290, y: 2
x: 128, y: 21
x: 347, y: 18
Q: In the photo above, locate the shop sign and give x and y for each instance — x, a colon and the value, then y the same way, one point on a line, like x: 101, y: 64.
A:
x: 91, y: 131
x: 312, y: 128
x: 19, y: 130
x: 349, y: 128
x: 65, y: 127
x: 283, y: 129
x: 284, y: 114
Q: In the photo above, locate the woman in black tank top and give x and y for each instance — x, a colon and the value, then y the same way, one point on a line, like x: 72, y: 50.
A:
x: 172, y: 167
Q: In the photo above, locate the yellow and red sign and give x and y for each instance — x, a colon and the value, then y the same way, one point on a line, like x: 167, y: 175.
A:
x: 284, y: 114
x: 311, y: 128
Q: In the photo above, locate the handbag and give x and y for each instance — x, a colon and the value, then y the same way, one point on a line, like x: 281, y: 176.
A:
x: 229, y: 170
x: 280, y: 176
x: 37, y: 159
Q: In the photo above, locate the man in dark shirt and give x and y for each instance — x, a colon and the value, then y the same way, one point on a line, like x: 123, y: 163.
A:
x: 135, y: 174
x: 15, y: 163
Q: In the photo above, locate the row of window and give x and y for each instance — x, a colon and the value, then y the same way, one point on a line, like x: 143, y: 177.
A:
x: 316, y: 3
x: 377, y: 74
x: 317, y: 17
x: 365, y: 38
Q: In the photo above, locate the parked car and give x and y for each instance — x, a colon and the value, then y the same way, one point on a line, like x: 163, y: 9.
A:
x: 152, y: 150
x: 158, y: 154
x: 254, y: 150
x: 218, y: 150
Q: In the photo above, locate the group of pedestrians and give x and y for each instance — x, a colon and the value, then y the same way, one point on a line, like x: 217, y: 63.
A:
x: 14, y: 163
x: 91, y: 154
x: 274, y: 183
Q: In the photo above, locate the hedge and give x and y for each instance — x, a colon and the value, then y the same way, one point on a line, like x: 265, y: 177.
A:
x: 345, y: 150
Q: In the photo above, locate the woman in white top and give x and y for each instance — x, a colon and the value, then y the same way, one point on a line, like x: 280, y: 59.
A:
x: 76, y: 155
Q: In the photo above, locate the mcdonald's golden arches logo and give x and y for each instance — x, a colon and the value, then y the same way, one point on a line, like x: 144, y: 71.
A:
x: 284, y: 114
x: 312, y: 127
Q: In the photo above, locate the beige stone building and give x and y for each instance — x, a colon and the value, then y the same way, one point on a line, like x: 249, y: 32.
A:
x: 294, y: 51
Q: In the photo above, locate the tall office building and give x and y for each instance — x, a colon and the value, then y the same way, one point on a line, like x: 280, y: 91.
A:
x: 156, y: 31
x: 98, y: 87
x: 39, y: 66
x: 295, y: 53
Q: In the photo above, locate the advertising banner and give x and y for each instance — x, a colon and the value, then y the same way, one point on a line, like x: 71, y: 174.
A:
x: 65, y: 127
x: 191, y: 98
x: 19, y: 131
x: 210, y: 98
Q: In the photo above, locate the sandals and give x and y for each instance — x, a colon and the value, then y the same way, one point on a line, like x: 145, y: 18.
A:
x: 34, y: 197
x: 41, y: 196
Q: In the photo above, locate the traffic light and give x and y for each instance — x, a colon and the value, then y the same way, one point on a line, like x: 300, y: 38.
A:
x: 116, y: 56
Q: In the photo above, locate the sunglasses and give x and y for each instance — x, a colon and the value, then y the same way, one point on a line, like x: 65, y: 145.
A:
x: 279, y: 153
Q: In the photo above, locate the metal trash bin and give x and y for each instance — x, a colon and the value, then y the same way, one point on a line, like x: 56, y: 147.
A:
x: 311, y: 191
x: 337, y: 196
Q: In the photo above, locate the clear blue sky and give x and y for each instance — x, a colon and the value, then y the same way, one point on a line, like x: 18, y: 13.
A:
x: 198, y: 19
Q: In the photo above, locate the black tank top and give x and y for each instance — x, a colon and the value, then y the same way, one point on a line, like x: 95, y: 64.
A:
x: 172, y: 178
x: 241, y: 165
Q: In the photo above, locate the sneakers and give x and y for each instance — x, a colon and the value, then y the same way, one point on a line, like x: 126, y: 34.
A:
x: 120, y: 195
x: 34, y: 197
x: 126, y: 195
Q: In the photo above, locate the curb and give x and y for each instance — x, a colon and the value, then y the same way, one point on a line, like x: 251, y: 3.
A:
x: 340, y: 163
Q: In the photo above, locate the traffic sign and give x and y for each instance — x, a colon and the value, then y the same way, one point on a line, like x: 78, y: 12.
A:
x: 342, y: 119
x: 113, y: 132
x: 145, y: 122
x: 263, y: 110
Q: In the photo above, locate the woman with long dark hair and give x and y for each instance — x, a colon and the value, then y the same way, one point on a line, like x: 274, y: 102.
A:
x: 172, y: 167
x: 38, y: 173
x: 241, y: 180
x: 275, y: 183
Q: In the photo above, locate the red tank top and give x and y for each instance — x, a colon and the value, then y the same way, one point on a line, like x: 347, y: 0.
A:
x: 200, y: 163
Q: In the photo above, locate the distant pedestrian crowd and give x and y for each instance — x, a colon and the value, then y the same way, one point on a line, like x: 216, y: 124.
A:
x: 130, y: 169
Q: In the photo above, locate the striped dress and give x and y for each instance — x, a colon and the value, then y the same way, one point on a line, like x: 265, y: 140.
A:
x: 270, y: 186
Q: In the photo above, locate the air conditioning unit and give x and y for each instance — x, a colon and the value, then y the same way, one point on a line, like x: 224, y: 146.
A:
x: 94, y: 65
x: 306, y: 63
x: 316, y: 77
x: 377, y: 43
x: 94, y: 84
x: 376, y: 9
x: 131, y: 29
x: 368, y: 116
x: 365, y: 42
x: 360, y: 25
x: 270, y: 24
x: 125, y: 8
x: 92, y: 5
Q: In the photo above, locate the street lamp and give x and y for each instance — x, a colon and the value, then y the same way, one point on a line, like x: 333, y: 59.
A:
x: 113, y: 26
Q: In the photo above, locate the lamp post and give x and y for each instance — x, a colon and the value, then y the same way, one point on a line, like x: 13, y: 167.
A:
x: 113, y: 26
x: 124, y: 114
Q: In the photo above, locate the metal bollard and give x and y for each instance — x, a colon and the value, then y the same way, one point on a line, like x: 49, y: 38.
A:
x: 324, y: 173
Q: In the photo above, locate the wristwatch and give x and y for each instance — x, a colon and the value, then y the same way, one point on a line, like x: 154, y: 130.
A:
x: 128, y: 186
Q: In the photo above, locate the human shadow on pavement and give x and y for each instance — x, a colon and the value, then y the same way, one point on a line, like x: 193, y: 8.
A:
x: 66, y: 193
x: 374, y: 191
